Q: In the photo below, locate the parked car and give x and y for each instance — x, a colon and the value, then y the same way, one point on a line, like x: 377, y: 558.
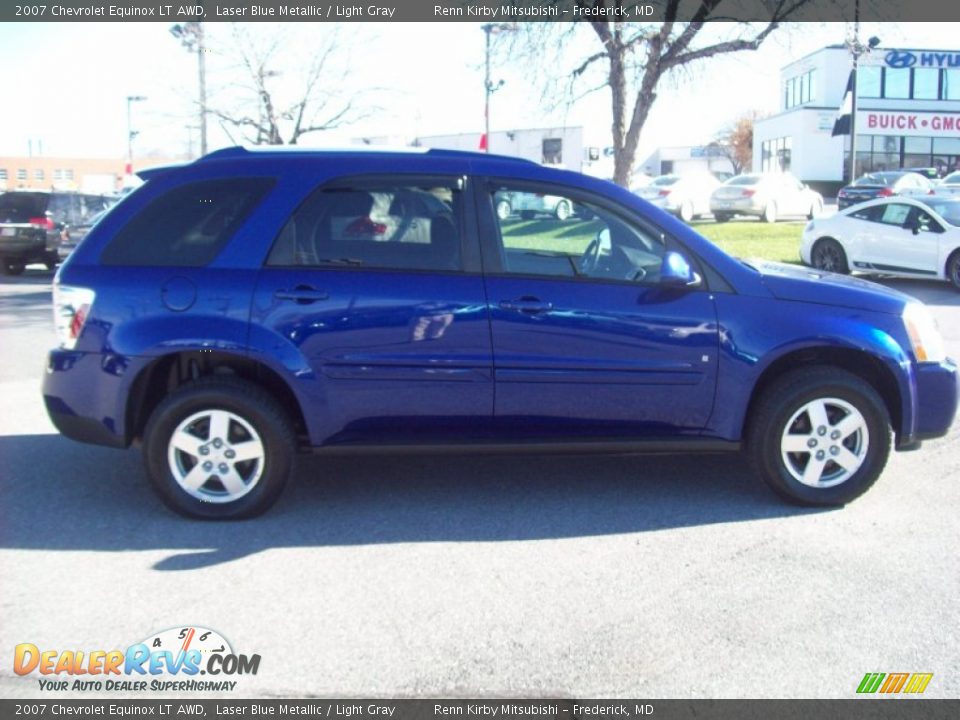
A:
x: 906, y: 183
x: 32, y: 222
x: 226, y: 315
x: 70, y: 236
x: 904, y: 237
x: 686, y: 196
x: 531, y: 205
x: 949, y: 186
x: 769, y: 196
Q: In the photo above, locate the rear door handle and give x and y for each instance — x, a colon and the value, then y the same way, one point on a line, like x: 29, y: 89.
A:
x: 302, y: 294
x: 528, y: 305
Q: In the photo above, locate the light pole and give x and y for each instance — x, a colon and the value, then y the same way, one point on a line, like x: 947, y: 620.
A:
x: 131, y: 133
x: 489, y: 86
x: 190, y: 35
x: 856, y: 49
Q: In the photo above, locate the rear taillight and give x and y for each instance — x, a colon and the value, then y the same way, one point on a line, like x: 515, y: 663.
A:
x: 842, y: 194
x: 885, y: 192
x: 365, y: 226
x: 71, y: 308
x: 42, y: 222
x: 663, y: 193
x: 749, y: 193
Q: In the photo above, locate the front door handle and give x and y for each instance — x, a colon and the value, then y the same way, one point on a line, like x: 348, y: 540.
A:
x: 302, y: 294
x: 527, y: 305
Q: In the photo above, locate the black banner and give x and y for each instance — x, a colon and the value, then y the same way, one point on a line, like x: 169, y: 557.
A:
x: 500, y: 709
x: 475, y: 10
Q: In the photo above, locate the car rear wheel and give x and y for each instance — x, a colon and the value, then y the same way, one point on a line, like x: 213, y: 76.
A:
x: 563, y: 210
x: 219, y: 448
x: 819, y: 436
x: 953, y: 269
x: 685, y: 212
x: 721, y: 217
x: 828, y: 255
x: 13, y: 267
x: 503, y: 209
x: 770, y: 212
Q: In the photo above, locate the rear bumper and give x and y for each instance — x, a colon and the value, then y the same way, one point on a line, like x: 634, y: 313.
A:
x: 83, y: 394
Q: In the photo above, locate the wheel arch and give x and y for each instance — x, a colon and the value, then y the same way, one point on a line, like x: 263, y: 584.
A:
x: 860, y: 363
x: 166, y: 373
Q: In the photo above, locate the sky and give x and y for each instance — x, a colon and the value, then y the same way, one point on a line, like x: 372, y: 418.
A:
x: 72, y: 80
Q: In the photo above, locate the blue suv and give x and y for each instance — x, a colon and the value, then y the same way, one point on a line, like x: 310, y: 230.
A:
x: 255, y: 303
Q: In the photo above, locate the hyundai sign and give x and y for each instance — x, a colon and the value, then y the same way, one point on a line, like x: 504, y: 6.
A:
x: 903, y: 59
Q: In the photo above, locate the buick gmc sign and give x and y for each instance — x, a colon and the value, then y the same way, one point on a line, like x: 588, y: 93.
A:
x: 926, y: 124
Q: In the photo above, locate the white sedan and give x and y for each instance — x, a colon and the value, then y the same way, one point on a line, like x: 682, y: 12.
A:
x: 891, y: 236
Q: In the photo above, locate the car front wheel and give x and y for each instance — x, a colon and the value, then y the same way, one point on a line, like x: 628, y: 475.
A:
x: 13, y: 267
x: 685, y: 212
x: 953, y: 269
x: 219, y: 448
x: 770, y: 213
x: 504, y: 210
x: 828, y: 255
x: 819, y: 436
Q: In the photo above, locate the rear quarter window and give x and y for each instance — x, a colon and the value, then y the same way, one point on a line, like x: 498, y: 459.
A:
x: 188, y: 225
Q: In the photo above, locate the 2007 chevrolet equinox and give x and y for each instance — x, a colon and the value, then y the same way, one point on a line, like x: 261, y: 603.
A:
x: 251, y: 304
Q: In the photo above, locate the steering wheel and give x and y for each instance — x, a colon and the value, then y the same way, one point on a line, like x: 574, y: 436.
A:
x: 590, y: 259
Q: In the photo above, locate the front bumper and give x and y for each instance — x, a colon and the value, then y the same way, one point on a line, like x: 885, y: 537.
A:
x: 938, y: 394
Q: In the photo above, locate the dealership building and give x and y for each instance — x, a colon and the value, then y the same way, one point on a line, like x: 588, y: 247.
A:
x: 908, y: 114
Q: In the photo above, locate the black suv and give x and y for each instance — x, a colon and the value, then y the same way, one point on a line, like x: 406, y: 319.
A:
x: 33, y: 221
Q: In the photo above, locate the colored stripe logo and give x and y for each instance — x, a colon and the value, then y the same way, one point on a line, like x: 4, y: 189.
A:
x: 892, y: 683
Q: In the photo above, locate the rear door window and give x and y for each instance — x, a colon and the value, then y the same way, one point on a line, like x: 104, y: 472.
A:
x: 401, y: 224
x: 188, y: 225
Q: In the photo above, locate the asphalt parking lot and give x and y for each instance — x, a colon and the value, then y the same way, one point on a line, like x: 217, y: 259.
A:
x: 651, y: 577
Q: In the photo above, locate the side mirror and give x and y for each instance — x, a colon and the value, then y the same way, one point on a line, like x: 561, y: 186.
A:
x: 676, y: 271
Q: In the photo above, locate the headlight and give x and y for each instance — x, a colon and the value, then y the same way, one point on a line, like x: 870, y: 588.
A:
x: 924, y: 336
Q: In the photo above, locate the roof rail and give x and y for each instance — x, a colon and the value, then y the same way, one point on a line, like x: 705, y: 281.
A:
x: 239, y: 151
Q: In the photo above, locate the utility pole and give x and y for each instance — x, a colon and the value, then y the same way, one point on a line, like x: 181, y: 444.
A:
x: 489, y: 86
x: 856, y: 49
x: 190, y: 35
x: 131, y: 133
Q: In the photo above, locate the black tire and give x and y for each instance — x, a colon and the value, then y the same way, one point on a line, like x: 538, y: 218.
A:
x: 527, y: 214
x: 769, y: 212
x: 783, y: 399
x: 828, y: 255
x: 721, y: 217
x: 685, y: 212
x: 251, y: 403
x: 51, y: 261
x: 13, y: 267
x: 953, y: 269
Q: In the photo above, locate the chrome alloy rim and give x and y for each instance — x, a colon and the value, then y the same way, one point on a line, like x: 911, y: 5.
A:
x: 824, y: 442
x: 216, y: 456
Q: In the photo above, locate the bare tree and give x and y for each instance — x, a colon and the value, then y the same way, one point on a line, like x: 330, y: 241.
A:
x: 278, y: 99
x: 735, y: 142
x: 633, y: 58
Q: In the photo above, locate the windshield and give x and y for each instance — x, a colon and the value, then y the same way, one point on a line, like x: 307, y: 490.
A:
x: 744, y: 180
x: 952, y: 179
x: 947, y: 208
x: 19, y: 207
x: 880, y: 178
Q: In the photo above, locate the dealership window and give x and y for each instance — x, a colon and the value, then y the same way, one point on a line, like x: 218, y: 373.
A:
x: 916, y: 152
x: 38, y: 174
x: 21, y: 174
x: 869, y: 81
x: 775, y: 154
x: 888, y: 152
x: 951, y: 84
x: 552, y: 151
x: 799, y: 90
x: 3, y: 173
x: 926, y: 83
x: 896, y: 83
